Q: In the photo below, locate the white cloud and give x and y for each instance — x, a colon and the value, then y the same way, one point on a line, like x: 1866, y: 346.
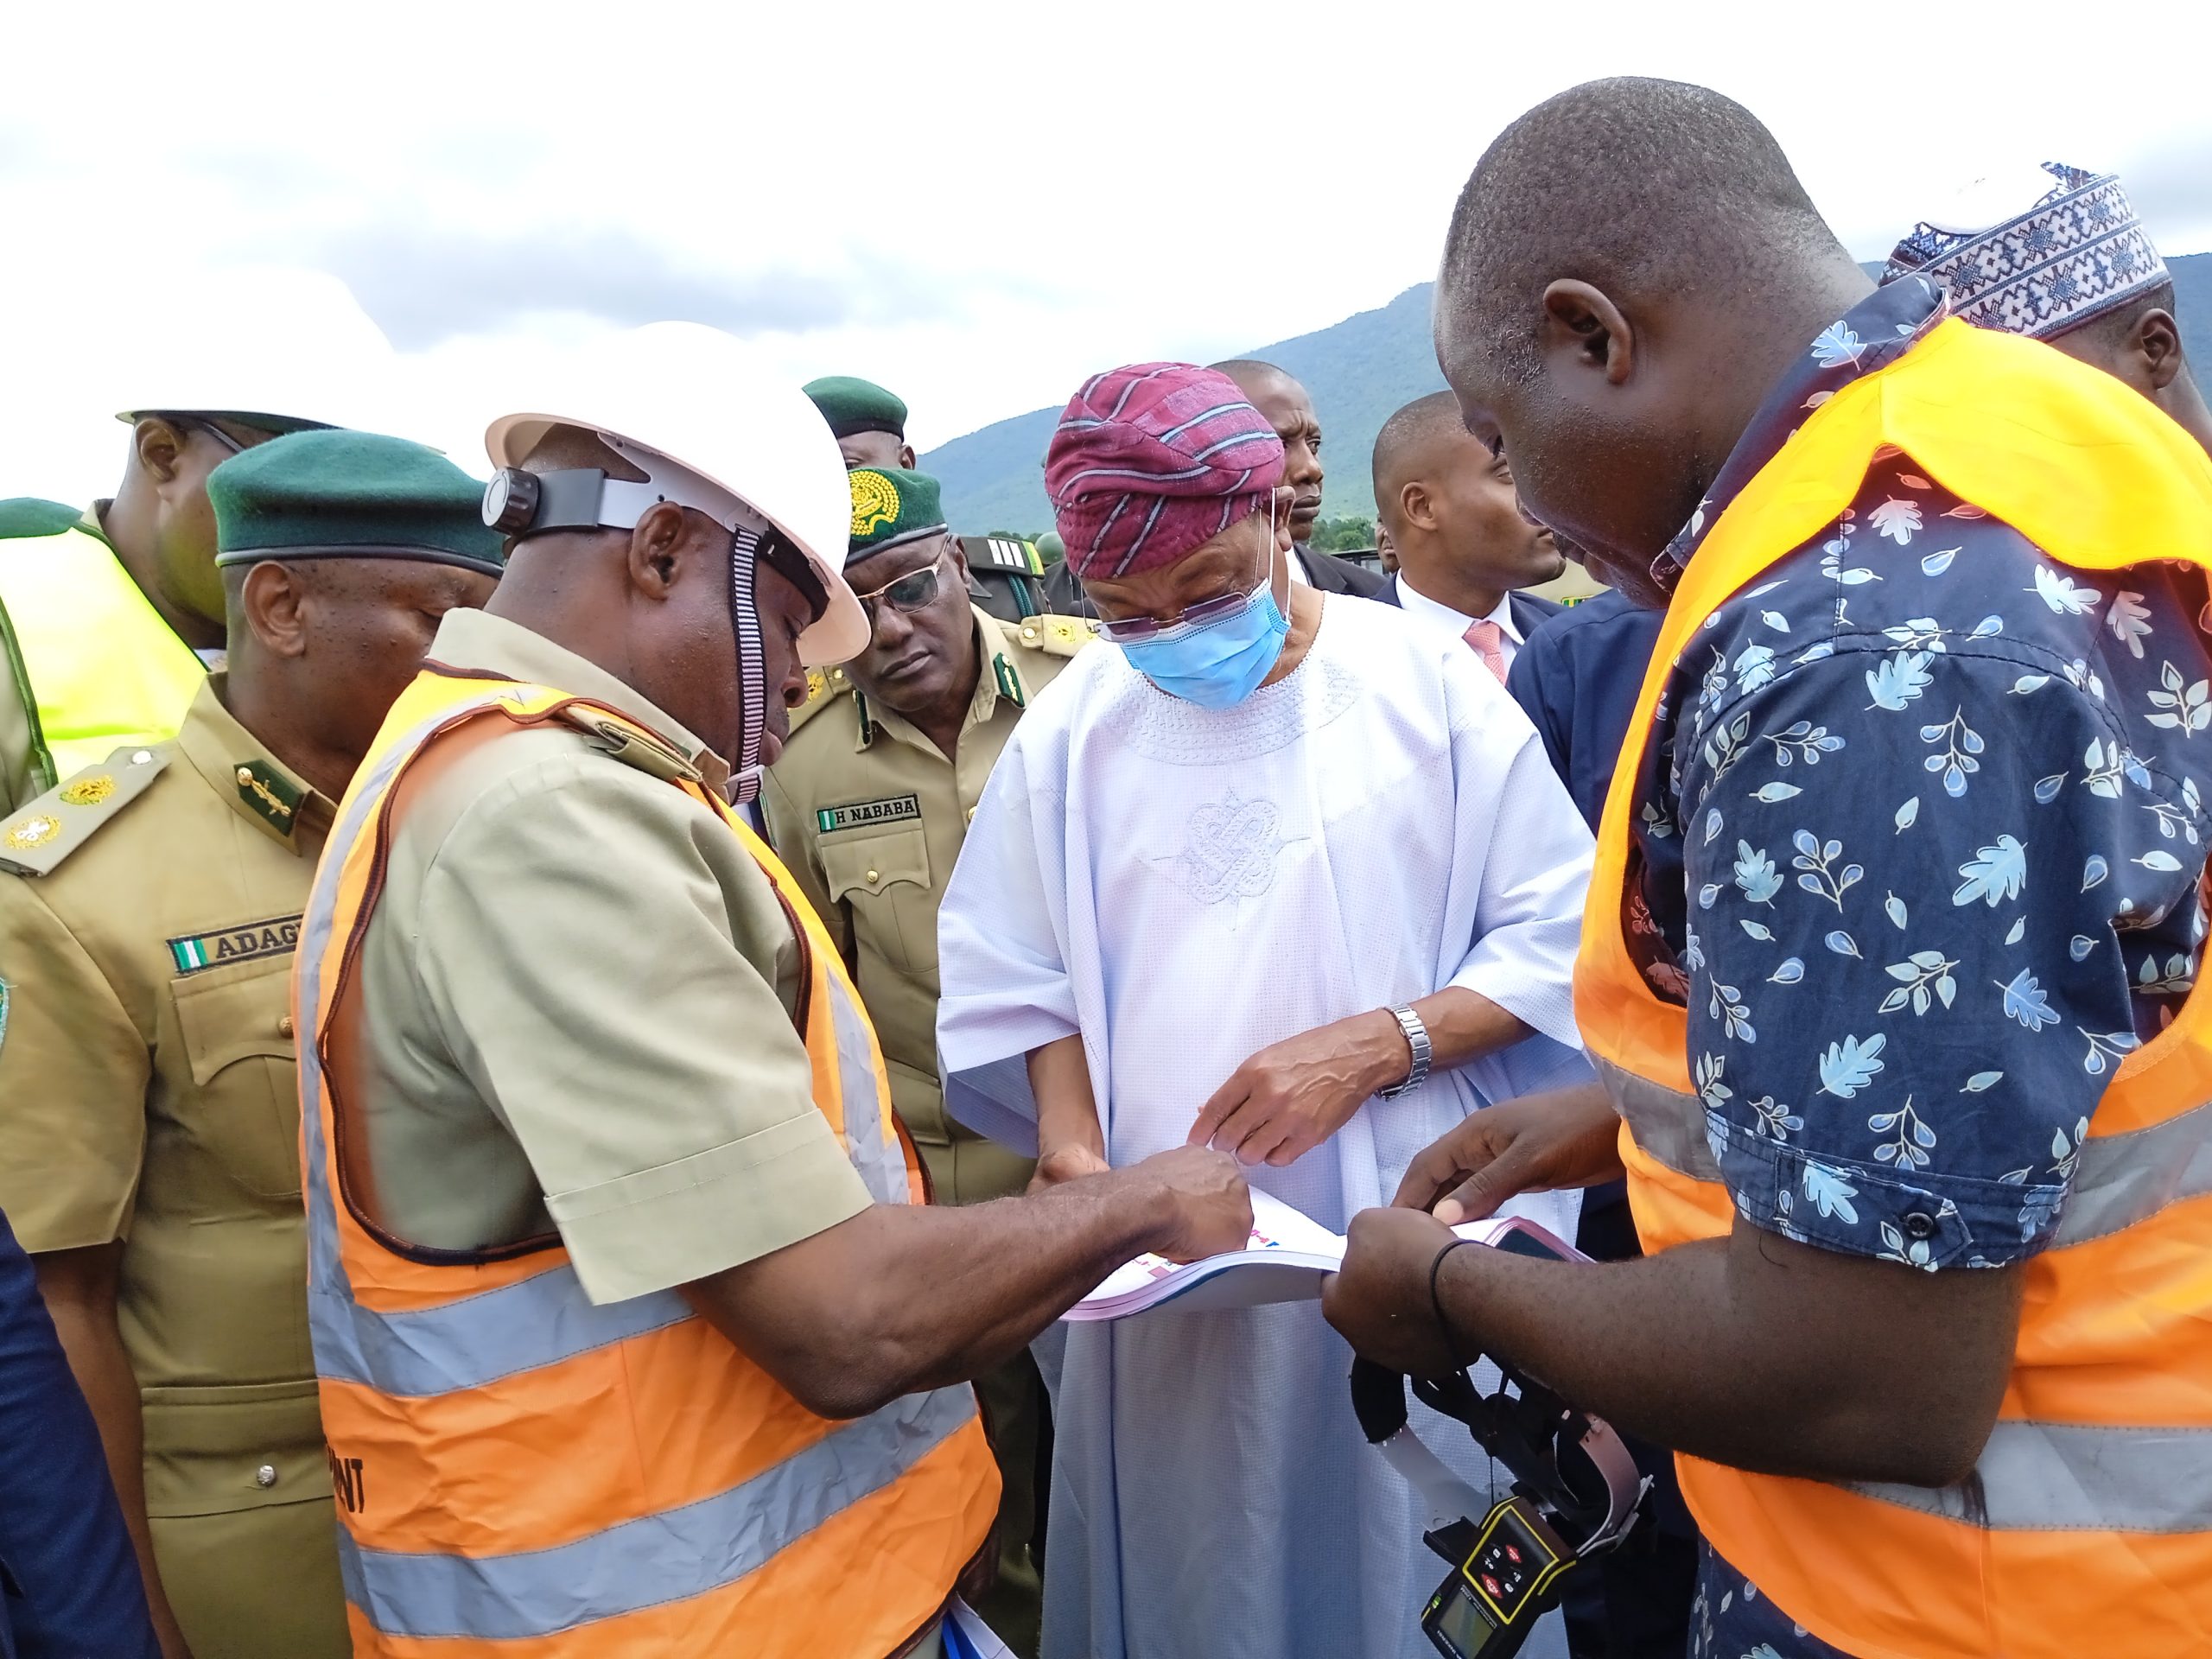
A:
x: 974, y: 203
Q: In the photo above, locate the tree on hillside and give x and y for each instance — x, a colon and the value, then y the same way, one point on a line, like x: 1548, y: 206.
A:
x: 1343, y: 535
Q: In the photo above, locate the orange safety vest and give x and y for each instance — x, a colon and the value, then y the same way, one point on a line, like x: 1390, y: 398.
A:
x: 2086, y: 1525
x: 523, y: 1475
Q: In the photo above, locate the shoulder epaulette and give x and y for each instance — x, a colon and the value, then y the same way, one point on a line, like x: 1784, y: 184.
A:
x: 1062, y: 636
x: 23, y: 517
x: 823, y: 686
x: 39, y: 837
x: 1003, y: 553
x: 630, y: 746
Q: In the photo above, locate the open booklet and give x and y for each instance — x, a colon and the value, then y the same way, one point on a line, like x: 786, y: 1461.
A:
x: 1283, y: 1260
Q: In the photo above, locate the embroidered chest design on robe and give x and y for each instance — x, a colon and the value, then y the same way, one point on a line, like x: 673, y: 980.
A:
x: 1231, y: 851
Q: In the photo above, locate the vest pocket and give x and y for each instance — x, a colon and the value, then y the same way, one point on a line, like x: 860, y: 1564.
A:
x: 884, y: 877
x: 244, y: 1115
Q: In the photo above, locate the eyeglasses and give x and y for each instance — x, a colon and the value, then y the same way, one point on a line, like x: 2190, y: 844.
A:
x: 915, y: 591
x: 214, y: 432
x: 1143, y: 630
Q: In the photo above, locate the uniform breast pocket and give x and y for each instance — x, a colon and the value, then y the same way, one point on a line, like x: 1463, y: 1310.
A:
x: 244, y: 1113
x: 885, y: 878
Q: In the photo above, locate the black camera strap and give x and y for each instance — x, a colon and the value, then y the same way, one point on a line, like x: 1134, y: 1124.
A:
x: 1571, y: 1465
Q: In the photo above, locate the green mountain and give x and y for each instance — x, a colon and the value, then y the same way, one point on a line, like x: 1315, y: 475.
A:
x: 1359, y: 372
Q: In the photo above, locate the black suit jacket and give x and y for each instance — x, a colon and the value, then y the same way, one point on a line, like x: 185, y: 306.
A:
x: 1528, y: 610
x: 1331, y: 574
x: 1063, y: 595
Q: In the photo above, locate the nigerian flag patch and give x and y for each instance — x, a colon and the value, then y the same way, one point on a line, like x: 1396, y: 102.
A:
x: 862, y: 815
x: 274, y: 938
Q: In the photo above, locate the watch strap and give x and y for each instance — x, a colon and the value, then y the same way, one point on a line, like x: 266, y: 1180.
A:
x: 1423, y: 1053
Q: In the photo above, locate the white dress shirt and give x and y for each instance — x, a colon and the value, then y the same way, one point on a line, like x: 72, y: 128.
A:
x: 1414, y: 603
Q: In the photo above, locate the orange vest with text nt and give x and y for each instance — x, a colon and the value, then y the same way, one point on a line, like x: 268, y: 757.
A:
x: 523, y: 1475
x: 2086, y: 1527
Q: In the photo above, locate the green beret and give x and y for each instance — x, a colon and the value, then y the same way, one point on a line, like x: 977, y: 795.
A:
x: 851, y: 405
x: 351, y: 495
x: 891, y: 507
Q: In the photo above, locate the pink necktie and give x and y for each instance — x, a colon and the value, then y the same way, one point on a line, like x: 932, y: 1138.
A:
x: 1489, y: 641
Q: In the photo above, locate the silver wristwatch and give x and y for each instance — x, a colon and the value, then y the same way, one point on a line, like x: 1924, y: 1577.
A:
x: 1417, y: 1040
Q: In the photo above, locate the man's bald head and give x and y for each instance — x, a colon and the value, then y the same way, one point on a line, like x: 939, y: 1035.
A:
x: 1629, y: 267
x: 1249, y: 372
x: 1449, y: 508
x: 1407, y: 440
x: 1287, y: 408
x: 1634, y: 184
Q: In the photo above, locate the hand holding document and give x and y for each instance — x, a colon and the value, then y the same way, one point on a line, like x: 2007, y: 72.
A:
x: 1284, y: 1261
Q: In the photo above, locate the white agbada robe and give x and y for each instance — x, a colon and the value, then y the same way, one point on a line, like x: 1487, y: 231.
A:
x: 1184, y: 886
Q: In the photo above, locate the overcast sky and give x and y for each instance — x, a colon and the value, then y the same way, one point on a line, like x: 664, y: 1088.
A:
x: 976, y: 204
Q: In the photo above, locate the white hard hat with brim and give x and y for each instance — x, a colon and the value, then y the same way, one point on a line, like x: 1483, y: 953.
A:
x: 687, y: 405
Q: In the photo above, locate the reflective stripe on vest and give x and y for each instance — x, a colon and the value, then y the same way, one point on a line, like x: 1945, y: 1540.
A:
x: 2086, y: 1524
x: 102, y: 667
x: 2119, y: 1179
x: 516, y: 1465
x: 659, y: 1559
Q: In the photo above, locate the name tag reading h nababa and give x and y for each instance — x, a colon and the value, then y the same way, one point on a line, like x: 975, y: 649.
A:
x: 867, y: 815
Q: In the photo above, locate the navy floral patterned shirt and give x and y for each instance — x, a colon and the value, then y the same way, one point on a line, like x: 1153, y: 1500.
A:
x: 1919, y: 841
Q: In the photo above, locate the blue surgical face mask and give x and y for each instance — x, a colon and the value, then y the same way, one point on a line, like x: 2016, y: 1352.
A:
x: 1221, y: 662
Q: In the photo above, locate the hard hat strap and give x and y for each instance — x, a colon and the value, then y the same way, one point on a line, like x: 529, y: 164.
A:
x: 752, y: 663
x: 793, y: 566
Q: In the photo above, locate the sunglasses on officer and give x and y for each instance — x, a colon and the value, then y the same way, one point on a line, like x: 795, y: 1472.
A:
x: 915, y: 591
x: 230, y: 441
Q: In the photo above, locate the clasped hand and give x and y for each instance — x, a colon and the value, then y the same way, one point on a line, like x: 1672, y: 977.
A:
x: 1381, y: 1301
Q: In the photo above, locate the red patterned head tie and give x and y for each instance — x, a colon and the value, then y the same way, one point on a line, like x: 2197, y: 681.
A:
x: 1153, y: 461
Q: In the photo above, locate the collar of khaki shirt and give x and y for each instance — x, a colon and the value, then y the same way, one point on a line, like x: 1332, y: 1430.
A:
x: 479, y: 642
x: 261, y: 789
x: 990, y: 656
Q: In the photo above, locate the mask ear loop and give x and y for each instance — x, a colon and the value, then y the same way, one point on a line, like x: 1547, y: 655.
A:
x: 1267, y: 574
x: 752, y: 664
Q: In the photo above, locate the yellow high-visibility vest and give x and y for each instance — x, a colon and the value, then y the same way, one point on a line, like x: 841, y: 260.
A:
x: 92, y: 662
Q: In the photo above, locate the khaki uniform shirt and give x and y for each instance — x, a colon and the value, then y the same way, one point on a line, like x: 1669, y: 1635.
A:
x: 576, y: 1011
x: 148, y: 1094
x: 870, y: 815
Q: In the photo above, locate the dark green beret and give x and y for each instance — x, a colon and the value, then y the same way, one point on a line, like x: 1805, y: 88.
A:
x: 891, y: 507
x: 353, y: 495
x: 851, y: 405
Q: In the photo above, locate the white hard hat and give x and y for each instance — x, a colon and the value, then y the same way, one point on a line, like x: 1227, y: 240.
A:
x: 692, y: 395
x: 280, y: 350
